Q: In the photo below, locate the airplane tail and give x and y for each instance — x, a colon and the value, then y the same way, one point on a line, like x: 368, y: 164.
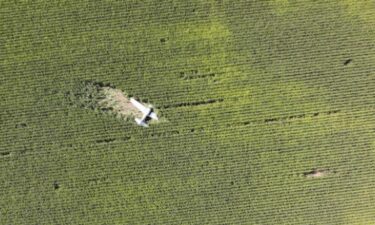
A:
x: 153, y: 116
x: 141, y: 122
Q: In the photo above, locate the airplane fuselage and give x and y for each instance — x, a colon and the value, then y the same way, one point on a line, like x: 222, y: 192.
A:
x: 146, y: 111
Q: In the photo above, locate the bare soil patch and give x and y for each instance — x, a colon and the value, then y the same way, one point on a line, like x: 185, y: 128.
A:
x: 119, y: 103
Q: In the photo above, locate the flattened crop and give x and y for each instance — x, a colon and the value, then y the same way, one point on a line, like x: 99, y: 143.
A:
x: 104, y: 98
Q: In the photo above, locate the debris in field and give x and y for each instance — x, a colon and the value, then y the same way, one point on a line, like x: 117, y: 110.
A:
x: 5, y: 154
x: 347, y: 62
x: 317, y: 173
x: 195, y: 74
x: 56, y: 185
x: 21, y: 125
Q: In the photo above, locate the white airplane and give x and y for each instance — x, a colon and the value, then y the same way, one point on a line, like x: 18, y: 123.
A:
x: 147, y: 113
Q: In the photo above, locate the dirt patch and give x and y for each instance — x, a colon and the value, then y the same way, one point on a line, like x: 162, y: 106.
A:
x: 119, y: 103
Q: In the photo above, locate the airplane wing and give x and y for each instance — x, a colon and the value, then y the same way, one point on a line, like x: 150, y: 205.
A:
x: 139, y: 106
x: 153, y: 116
x: 141, y: 123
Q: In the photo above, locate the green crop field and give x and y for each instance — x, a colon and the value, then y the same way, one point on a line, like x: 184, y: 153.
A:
x: 256, y: 97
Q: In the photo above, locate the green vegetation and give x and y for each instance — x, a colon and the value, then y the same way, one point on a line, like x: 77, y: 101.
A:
x: 257, y: 94
x: 88, y: 94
